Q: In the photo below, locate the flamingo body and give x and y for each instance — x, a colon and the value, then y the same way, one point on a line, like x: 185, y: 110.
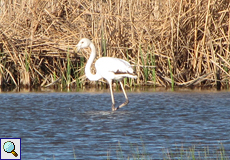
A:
x: 114, y: 68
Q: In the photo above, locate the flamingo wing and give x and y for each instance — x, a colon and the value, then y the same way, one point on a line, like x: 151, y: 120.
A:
x: 115, y: 65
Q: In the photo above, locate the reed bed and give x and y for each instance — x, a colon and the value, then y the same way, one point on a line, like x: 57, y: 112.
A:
x: 169, y: 42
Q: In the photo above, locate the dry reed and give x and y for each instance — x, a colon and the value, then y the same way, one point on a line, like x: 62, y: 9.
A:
x: 193, y: 35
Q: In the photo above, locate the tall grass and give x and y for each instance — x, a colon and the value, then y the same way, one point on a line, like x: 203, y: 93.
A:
x: 137, y: 152
x: 193, y: 35
x: 145, y: 69
x: 153, y: 63
x: 171, y: 74
x: 68, y: 70
x: 195, y: 154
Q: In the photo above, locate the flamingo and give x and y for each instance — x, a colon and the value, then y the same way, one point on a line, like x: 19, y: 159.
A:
x: 108, y: 68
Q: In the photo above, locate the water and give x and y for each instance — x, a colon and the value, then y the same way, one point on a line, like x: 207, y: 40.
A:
x: 62, y: 125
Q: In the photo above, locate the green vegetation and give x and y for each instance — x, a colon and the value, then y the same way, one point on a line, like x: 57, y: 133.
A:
x: 191, y: 153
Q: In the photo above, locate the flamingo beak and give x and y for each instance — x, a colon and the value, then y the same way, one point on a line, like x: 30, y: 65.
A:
x: 78, y: 47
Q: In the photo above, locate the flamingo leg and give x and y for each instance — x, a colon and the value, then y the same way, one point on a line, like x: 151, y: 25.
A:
x: 112, y: 96
x: 127, y: 100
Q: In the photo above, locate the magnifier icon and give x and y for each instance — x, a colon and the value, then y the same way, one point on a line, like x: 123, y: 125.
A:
x: 9, y: 147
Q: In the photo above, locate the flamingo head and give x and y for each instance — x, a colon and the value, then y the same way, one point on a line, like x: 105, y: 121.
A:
x: 83, y: 43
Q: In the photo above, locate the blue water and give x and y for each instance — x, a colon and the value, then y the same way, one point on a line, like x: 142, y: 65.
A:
x: 64, y: 125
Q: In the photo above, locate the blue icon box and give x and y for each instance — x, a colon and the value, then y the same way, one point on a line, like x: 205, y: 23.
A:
x: 10, y: 148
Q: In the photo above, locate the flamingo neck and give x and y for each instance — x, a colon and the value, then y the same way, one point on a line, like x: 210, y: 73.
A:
x: 89, y: 75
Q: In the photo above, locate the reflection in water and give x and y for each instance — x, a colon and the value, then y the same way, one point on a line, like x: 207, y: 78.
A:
x: 55, y: 124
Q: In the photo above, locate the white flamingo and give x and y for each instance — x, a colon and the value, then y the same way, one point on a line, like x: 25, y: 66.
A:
x: 108, y: 68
